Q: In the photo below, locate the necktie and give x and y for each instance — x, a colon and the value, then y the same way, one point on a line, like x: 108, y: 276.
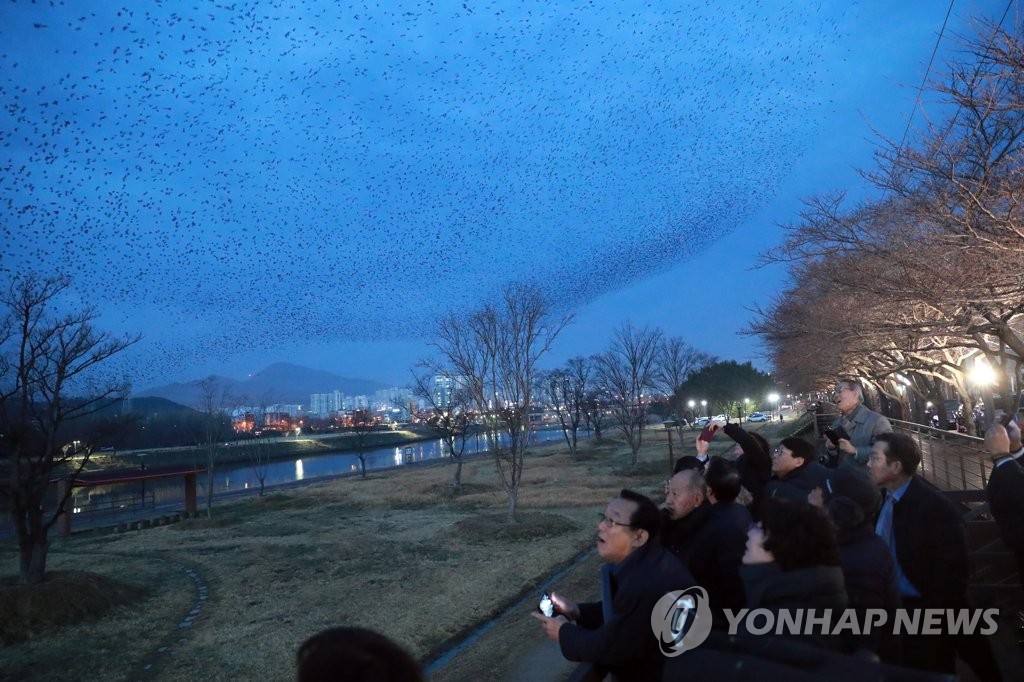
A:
x: 884, y: 526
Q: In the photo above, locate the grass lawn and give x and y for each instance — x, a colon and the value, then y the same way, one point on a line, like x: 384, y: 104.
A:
x: 233, y: 597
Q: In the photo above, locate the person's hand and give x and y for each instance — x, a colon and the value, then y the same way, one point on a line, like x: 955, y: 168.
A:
x: 551, y: 625
x: 701, y: 446
x: 565, y: 606
x: 847, y: 447
x: 816, y: 497
x: 717, y: 422
x: 997, y: 441
x: 1013, y: 430
x: 829, y: 445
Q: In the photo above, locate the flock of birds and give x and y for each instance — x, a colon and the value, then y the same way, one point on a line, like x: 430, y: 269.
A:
x: 228, y: 177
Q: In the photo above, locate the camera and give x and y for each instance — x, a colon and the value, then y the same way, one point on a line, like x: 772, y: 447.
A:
x: 836, y: 434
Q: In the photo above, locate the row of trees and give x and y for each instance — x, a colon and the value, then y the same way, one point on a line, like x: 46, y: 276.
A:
x: 904, y: 289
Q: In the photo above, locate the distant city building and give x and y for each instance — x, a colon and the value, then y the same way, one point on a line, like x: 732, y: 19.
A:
x: 325, y: 404
x: 445, y: 387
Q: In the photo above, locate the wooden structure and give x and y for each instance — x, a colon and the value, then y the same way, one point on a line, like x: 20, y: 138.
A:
x: 188, y: 473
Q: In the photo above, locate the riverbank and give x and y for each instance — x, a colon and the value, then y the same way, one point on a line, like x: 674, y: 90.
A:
x: 244, y: 451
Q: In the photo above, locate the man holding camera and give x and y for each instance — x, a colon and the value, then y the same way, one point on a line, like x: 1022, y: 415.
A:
x: 614, y: 634
x: 856, y: 426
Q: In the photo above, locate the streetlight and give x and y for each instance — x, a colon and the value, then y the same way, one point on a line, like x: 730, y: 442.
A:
x: 703, y: 408
x: 691, y: 405
x: 774, y: 399
x: 744, y: 408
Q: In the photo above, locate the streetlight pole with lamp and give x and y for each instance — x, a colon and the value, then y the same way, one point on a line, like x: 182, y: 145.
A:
x: 693, y: 414
x: 704, y: 408
x: 744, y: 408
x: 773, y: 398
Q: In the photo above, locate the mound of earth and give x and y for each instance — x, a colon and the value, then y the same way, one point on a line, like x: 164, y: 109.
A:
x: 65, y: 597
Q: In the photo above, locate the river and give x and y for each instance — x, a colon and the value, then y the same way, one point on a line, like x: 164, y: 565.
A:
x: 238, y: 478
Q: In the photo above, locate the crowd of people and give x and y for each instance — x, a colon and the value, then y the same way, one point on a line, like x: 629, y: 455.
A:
x: 773, y: 529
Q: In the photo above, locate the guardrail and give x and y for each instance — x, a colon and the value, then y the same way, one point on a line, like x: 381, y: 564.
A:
x: 949, y: 460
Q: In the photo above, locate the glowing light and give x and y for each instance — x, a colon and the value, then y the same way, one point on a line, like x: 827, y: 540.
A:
x: 983, y: 374
x: 299, y: 472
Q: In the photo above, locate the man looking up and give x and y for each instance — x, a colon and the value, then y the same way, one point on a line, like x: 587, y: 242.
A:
x: 861, y: 424
x: 928, y: 540
x: 614, y: 634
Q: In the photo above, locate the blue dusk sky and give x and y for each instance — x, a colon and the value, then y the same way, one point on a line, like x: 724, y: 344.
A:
x: 317, y: 181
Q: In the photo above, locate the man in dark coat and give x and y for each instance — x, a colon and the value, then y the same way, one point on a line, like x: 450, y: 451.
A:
x: 797, y: 472
x: 686, y: 512
x: 720, y: 543
x: 928, y: 540
x: 614, y: 634
x: 1005, y: 492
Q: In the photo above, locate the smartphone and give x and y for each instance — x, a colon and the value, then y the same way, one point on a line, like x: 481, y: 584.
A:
x: 1005, y: 419
x: 708, y: 432
x: 546, y: 606
x: 832, y: 436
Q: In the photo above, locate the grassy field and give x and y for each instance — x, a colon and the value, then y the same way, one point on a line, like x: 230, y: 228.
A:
x: 232, y: 597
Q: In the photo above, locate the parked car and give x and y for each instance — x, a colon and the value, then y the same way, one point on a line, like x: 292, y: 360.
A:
x: 757, y: 417
x: 701, y: 421
x: 721, y: 417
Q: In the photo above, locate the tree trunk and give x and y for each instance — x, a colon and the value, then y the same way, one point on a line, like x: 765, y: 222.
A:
x: 32, y: 560
x: 457, y: 478
x: 362, y: 463
x: 513, y: 499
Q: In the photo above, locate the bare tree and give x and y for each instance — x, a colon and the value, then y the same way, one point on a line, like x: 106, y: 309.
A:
x: 676, y: 361
x: 363, y: 425
x: 257, y: 448
x: 214, y: 402
x: 48, y: 362
x: 626, y: 373
x: 496, y: 349
x: 566, y: 389
x: 450, y: 408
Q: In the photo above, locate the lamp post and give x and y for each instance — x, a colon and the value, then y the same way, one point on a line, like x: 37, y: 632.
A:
x: 704, y: 408
x: 773, y: 398
x: 983, y: 376
x: 693, y: 415
x: 744, y: 408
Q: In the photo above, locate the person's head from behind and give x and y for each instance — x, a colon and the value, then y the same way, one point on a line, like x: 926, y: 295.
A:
x: 356, y: 655
x: 894, y: 459
x: 688, y: 462
x: 793, y: 535
x: 629, y: 522
x: 723, y: 480
x: 791, y: 454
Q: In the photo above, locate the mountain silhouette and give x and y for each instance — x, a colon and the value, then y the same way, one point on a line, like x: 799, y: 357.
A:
x: 281, y: 382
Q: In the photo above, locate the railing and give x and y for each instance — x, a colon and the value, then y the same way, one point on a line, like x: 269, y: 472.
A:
x: 949, y: 460
x: 111, y: 507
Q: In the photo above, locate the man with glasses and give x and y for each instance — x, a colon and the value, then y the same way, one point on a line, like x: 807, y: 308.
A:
x: 860, y: 424
x: 614, y: 634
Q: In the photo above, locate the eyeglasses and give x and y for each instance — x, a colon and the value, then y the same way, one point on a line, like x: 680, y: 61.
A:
x: 777, y: 452
x: 609, y: 521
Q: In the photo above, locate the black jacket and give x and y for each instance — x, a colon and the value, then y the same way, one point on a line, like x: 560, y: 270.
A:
x: 795, y: 485
x: 931, y: 545
x: 1006, y: 501
x: 816, y: 587
x: 625, y: 645
x: 717, y: 556
x: 871, y: 583
x: 754, y: 465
